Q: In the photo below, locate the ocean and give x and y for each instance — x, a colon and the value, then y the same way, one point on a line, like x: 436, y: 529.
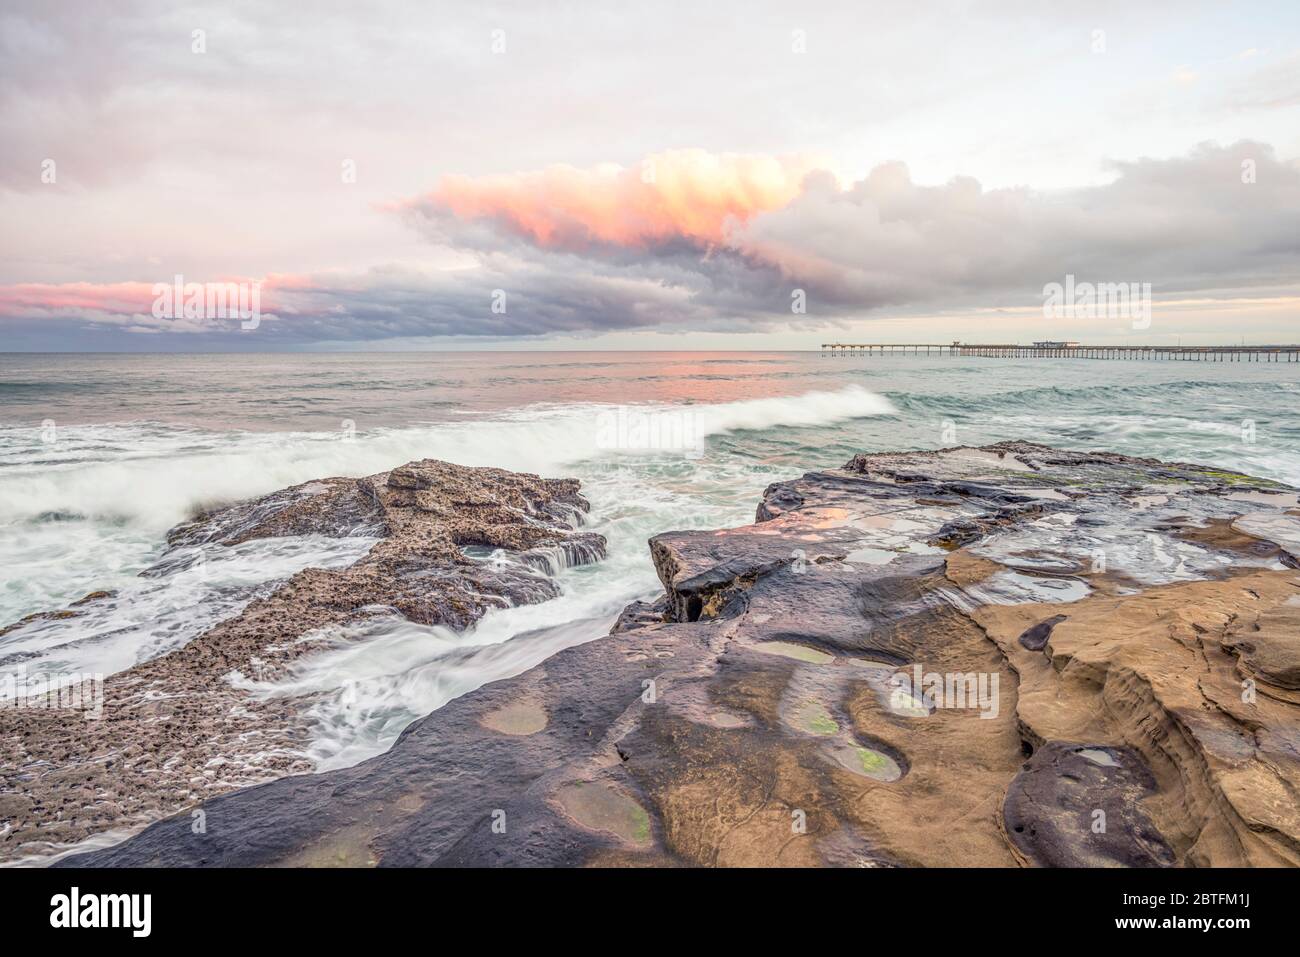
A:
x: 101, y: 454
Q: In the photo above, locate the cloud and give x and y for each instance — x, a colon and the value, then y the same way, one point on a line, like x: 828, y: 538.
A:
x: 56, y: 298
x: 687, y: 196
x: 1184, y: 224
x: 138, y: 306
x: 497, y: 299
x: 720, y: 242
x: 1275, y: 86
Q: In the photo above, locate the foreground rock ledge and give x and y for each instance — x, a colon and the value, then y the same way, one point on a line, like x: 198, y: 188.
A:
x: 176, y: 730
x: 1141, y: 619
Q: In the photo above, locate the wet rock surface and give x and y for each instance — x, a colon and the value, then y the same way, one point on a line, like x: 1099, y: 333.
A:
x: 867, y: 676
x: 1076, y: 806
x: 179, y: 728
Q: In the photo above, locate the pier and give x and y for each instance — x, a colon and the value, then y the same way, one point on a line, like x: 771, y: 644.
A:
x: 1065, y: 350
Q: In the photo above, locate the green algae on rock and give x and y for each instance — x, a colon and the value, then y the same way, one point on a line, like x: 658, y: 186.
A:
x: 602, y: 807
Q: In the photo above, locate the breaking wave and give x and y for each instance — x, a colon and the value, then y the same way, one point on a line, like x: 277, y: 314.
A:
x: 112, y: 472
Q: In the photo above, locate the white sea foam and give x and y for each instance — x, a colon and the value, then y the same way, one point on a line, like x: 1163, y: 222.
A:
x: 126, y: 473
x: 379, y: 678
x: 374, y: 679
x: 147, y: 617
x: 88, y: 513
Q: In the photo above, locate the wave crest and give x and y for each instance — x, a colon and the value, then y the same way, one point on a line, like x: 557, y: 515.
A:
x: 117, y: 478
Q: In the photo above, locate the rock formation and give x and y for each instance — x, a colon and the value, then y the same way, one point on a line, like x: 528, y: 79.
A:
x: 176, y: 729
x: 1010, y: 655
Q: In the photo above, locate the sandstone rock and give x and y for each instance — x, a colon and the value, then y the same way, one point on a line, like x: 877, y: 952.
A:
x: 819, y: 688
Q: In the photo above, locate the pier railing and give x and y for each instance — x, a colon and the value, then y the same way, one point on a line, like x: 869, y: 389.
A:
x: 1243, y: 353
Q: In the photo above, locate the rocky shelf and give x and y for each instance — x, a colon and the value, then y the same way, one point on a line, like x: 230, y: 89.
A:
x: 178, y: 728
x: 1010, y: 655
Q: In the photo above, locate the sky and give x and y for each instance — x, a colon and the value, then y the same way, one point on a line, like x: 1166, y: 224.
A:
x: 748, y: 175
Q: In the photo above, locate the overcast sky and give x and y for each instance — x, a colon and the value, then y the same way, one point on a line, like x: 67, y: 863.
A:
x: 648, y: 175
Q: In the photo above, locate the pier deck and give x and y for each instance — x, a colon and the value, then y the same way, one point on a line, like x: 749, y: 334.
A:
x: 1278, y: 353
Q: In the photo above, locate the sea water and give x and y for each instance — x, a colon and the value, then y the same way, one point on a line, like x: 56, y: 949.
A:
x: 101, y: 454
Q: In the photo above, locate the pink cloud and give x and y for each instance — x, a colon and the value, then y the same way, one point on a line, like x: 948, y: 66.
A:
x: 118, y: 297
x: 682, y: 194
x: 119, y: 301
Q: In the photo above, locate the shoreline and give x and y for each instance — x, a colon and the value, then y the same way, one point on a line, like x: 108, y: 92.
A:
x: 774, y: 656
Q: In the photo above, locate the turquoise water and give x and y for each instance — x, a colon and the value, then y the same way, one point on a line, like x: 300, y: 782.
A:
x: 100, y: 454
